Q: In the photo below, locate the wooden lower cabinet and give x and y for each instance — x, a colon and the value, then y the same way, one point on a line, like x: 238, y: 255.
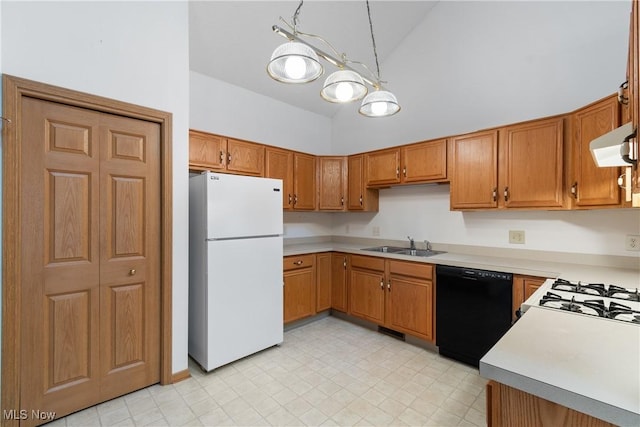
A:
x: 507, y: 406
x: 523, y: 288
x: 299, y: 287
x: 323, y: 281
x: 394, y: 294
x: 339, y: 264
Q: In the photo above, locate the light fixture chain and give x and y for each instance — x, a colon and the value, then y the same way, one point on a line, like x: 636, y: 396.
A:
x: 295, y: 16
x: 373, y: 40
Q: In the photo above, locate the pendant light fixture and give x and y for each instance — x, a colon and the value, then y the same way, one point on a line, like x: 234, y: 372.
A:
x: 298, y: 62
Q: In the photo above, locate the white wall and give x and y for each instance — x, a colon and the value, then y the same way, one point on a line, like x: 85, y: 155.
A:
x: 422, y: 212
x: 131, y: 51
x: 476, y: 64
x: 473, y: 65
x: 225, y: 109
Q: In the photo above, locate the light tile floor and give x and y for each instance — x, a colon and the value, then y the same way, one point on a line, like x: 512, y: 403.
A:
x: 329, y: 372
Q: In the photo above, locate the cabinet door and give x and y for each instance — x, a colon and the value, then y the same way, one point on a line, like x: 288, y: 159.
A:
x: 424, y: 162
x: 299, y: 294
x: 279, y: 164
x: 206, y: 151
x: 634, y: 95
x: 531, y: 162
x: 332, y: 183
x: 410, y: 306
x: 474, y: 171
x: 366, y: 298
x: 523, y: 288
x: 593, y: 186
x: 359, y: 197
x: 323, y: 281
x: 304, y: 182
x: 383, y: 167
x: 245, y: 158
x: 339, y: 282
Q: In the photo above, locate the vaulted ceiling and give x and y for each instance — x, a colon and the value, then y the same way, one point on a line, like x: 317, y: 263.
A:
x: 232, y: 40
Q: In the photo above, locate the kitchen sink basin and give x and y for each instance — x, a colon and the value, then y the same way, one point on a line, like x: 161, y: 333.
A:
x: 403, y: 251
x: 419, y: 252
x: 386, y: 249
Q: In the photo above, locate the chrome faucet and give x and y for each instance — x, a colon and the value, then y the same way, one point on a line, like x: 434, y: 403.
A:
x: 412, y: 244
x: 427, y: 245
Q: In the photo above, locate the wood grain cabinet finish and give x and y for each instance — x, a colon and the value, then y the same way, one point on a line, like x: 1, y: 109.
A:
x: 508, y: 406
x: 519, y: 166
x: 531, y: 165
x: 304, y: 182
x: 359, y: 197
x: 590, y: 185
x: 299, y: 293
x: 407, y: 164
x: 394, y: 294
x: 279, y: 165
x: 323, y: 281
x: 523, y: 288
x: 216, y: 153
x: 339, y: 264
x: 332, y: 183
x: 474, y: 171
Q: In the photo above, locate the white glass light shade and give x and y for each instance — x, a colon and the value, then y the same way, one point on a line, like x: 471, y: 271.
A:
x: 343, y: 86
x: 294, y: 62
x: 380, y: 103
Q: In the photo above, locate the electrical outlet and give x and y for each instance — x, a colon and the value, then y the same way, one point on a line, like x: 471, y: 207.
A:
x: 516, y: 236
x: 632, y: 242
x: 376, y: 231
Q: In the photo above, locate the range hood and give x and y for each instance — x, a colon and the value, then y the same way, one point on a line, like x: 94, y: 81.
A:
x: 612, y: 148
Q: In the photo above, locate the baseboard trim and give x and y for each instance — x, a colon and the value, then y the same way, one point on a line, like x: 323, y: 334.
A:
x: 180, y: 376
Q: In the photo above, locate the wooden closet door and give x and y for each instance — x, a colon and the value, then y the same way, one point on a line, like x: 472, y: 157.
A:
x: 90, y: 206
x: 129, y: 255
x: 60, y: 268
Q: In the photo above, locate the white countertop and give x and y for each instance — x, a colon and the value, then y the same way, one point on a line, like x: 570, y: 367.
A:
x: 583, y: 362
x: 626, y: 277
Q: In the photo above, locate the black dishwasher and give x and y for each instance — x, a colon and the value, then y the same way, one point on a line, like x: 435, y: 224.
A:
x: 473, y: 310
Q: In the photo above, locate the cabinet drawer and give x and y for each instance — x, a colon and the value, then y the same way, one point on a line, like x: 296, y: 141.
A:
x: 370, y: 263
x: 298, y: 261
x: 413, y: 269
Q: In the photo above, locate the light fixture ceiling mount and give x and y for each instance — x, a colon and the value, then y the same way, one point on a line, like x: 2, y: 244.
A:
x: 297, y: 61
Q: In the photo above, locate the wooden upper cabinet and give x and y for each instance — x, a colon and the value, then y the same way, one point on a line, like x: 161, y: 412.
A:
x: 332, y: 183
x: 474, y: 170
x: 531, y: 165
x: 424, y: 162
x: 634, y: 95
x: 279, y: 165
x: 246, y: 158
x: 359, y: 197
x: 592, y: 186
x: 407, y: 164
x: 304, y: 182
x: 216, y: 153
x: 383, y: 167
x: 206, y: 151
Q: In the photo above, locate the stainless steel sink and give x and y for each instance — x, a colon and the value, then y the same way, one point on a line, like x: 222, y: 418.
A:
x: 386, y: 249
x: 419, y: 252
x: 403, y: 251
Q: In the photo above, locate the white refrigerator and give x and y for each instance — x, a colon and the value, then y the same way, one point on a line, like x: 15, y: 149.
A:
x: 235, y: 267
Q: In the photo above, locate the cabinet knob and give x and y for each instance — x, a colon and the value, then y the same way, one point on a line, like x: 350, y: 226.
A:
x: 494, y: 195
x: 289, y: 198
x: 132, y: 272
x: 574, y: 190
x: 295, y: 199
x: 621, y: 98
x: 222, y: 157
x: 360, y: 200
x: 397, y: 172
x: 404, y: 171
x: 342, y: 200
x: 381, y: 283
x: 506, y: 194
x: 389, y: 285
x: 298, y: 262
x: 228, y: 158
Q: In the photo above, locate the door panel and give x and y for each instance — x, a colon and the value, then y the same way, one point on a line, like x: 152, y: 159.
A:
x: 129, y: 236
x: 90, y: 203
x: 60, y: 262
